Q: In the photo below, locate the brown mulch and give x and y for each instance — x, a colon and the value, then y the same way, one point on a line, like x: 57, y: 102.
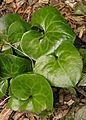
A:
x: 64, y: 100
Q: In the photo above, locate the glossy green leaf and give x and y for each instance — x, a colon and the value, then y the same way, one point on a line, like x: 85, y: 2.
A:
x: 13, y: 26
x: 49, y: 30
x: 62, y: 68
x: 7, y: 20
x: 30, y: 92
x: 11, y: 65
x: 3, y: 87
x: 83, y: 80
x: 16, y: 30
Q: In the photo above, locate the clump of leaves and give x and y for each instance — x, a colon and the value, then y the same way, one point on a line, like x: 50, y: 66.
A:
x: 39, y: 55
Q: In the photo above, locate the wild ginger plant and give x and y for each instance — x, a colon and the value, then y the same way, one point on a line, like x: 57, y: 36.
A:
x: 34, y: 57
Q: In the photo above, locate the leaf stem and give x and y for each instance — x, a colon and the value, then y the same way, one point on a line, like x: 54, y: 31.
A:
x: 20, y: 52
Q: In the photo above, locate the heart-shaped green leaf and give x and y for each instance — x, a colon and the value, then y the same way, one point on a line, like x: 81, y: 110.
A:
x: 7, y: 20
x: 49, y: 31
x: 16, y: 30
x: 32, y: 91
x: 11, y: 65
x: 62, y: 68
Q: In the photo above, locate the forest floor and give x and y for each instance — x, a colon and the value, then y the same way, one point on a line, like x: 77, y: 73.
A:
x: 68, y: 106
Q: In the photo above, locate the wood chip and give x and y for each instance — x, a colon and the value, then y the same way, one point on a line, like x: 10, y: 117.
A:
x: 8, y: 1
x: 17, y: 0
x: 25, y: 119
x: 60, y: 115
x: 61, y: 97
x: 30, y: 116
x: 81, y: 31
x: 43, y: 1
x: 18, y: 115
x: 4, y: 115
x: 4, y: 101
x: 83, y: 100
x: 69, y: 103
x: 67, y: 97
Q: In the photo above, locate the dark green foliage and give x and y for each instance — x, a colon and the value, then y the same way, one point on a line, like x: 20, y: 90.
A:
x: 32, y: 56
x: 12, y: 65
x: 13, y: 27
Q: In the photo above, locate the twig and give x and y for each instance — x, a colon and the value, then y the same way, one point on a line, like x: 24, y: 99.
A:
x: 4, y: 101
